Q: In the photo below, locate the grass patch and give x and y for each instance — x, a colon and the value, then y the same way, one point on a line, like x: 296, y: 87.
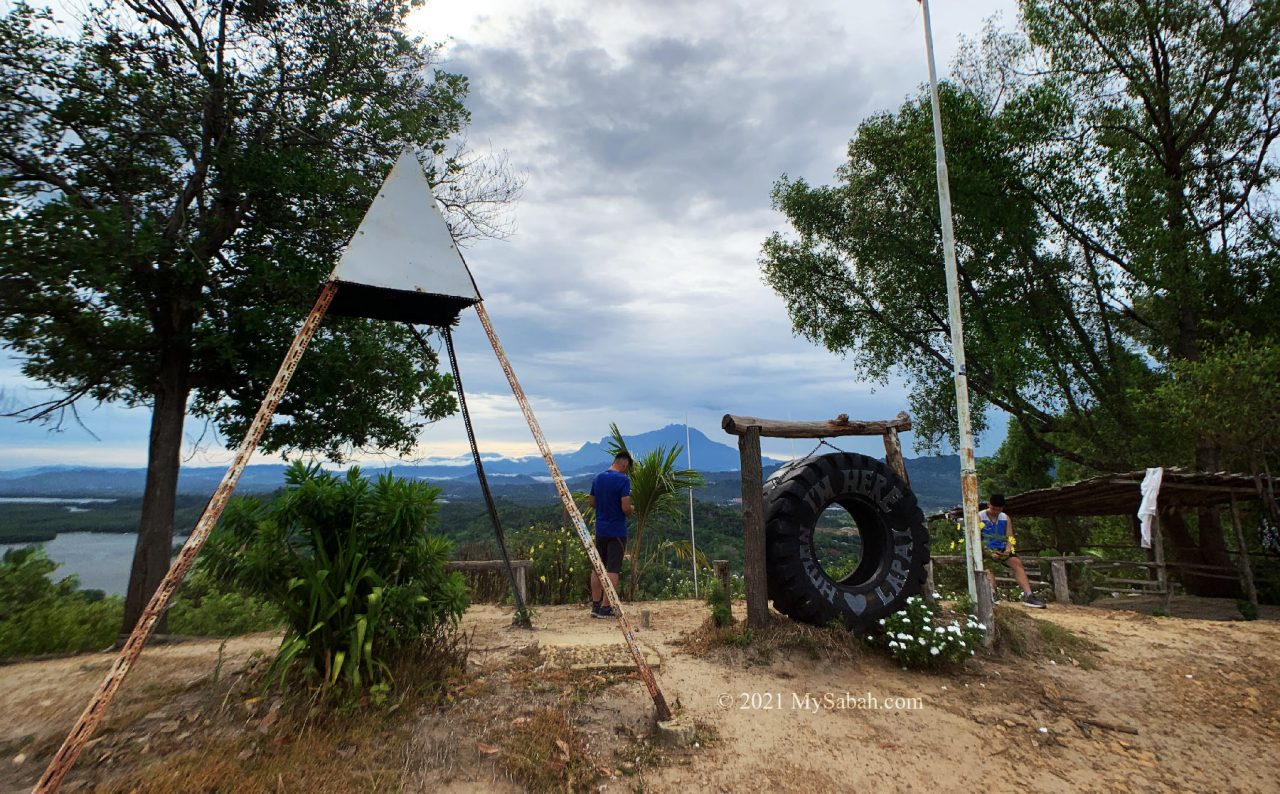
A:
x: 780, y: 637
x: 230, y: 736
x: 1019, y: 634
x: 544, y: 752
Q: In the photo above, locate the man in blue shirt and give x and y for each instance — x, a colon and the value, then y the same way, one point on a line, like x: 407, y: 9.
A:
x: 611, y: 499
x: 997, y: 543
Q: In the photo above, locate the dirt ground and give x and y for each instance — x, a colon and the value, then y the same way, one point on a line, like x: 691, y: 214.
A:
x: 1163, y: 704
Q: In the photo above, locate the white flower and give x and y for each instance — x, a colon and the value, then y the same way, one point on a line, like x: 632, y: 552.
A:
x: 904, y: 636
x: 922, y: 640
x: 893, y: 643
x: 982, y: 627
x: 881, y: 621
x: 933, y: 651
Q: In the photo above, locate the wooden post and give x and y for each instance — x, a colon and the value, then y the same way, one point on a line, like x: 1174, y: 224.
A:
x: 929, y: 587
x: 753, y: 567
x: 522, y: 584
x: 81, y: 732
x: 721, y: 567
x: 1162, y: 568
x: 986, y: 609
x: 1061, y: 590
x: 1246, y: 570
x: 893, y: 454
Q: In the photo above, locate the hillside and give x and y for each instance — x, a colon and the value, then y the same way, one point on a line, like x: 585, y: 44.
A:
x: 1139, y: 704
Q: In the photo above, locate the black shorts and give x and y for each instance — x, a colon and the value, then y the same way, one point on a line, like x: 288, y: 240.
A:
x: 610, y: 551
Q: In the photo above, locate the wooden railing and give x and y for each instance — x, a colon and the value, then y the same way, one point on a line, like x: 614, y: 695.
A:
x: 1051, y: 572
x: 521, y: 568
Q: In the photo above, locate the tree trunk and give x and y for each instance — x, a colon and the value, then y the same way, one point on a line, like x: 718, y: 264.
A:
x: 151, y: 555
x: 1188, y: 550
x: 1213, y: 543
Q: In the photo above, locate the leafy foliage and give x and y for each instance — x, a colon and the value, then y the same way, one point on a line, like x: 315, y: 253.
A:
x: 1113, y: 185
x: 720, y: 603
x: 349, y: 564
x: 177, y: 180
x: 38, y: 615
x: 203, y: 610
x: 561, y: 572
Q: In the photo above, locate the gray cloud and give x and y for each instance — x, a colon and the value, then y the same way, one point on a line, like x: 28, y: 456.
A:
x: 651, y: 134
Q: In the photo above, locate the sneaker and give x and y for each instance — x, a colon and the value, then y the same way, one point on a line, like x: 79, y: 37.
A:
x: 1031, y: 601
x: 604, y: 613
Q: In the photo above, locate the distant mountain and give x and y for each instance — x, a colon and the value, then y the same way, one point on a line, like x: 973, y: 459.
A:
x: 935, y: 481
x: 591, y: 457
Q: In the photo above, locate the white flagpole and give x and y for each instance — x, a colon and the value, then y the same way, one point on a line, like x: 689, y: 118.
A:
x: 693, y: 539
x: 968, y: 468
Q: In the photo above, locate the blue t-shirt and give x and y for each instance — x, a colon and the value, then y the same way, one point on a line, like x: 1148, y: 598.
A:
x: 995, y: 533
x: 608, y: 488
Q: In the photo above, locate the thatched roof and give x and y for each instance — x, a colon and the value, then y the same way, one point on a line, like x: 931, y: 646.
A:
x: 1120, y: 494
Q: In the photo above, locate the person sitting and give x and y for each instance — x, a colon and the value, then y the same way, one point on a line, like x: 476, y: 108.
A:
x: 998, y: 545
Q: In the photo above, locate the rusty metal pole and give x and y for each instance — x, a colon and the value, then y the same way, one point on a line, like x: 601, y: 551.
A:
x: 968, y: 467
x: 570, y: 507
x: 66, y: 756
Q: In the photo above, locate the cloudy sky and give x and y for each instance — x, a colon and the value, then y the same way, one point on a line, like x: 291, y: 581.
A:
x: 650, y: 134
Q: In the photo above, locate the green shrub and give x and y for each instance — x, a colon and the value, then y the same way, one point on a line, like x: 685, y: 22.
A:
x: 919, y: 638
x: 1248, y: 609
x: 561, y: 572
x: 62, y: 625
x: 39, y: 616
x: 223, y: 615
x: 350, y: 567
x: 718, y: 600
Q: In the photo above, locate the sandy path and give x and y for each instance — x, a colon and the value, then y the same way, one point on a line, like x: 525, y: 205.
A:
x: 1200, y: 693
x: 1195, y: 690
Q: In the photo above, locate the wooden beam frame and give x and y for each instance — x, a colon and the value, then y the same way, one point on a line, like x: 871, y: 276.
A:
x: 750, y: 430
x: 842, y: 425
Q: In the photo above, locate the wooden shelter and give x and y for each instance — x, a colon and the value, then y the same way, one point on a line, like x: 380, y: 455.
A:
x: 1119, y: 494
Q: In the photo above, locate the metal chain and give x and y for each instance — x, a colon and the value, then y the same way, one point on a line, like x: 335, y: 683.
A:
x: 521, y: 612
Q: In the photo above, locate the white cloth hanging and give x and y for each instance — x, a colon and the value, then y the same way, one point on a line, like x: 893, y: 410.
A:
x: 1147, y: 511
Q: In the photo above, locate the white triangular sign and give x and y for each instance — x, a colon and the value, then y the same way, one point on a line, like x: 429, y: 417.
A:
x: 402, y: 263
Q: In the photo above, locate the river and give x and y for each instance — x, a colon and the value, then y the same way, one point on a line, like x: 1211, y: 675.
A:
x: 101, y: 560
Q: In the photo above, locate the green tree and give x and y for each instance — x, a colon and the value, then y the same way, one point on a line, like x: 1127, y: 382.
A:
x: 175, y: 183
x: 1113, y: 179
x: 656, y: 488
x: 1205, y: 396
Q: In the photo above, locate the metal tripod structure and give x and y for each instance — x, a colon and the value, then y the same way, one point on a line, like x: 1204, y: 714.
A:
x: 89, y: 720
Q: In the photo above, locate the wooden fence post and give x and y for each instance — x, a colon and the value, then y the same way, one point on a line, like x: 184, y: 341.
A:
x: 1246, y: 570
x: 753, y: 567
x: 1162, y: 568
x: 721, y: 568
x: 1061, y: 590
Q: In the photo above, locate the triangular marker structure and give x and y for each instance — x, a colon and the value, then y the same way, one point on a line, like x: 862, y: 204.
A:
x: 402, y: 264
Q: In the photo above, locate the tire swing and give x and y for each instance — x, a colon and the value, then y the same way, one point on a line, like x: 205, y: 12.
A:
x: 895, y: 540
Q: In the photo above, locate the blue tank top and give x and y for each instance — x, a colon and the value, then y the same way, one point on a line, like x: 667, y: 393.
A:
x: 995, y: 532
